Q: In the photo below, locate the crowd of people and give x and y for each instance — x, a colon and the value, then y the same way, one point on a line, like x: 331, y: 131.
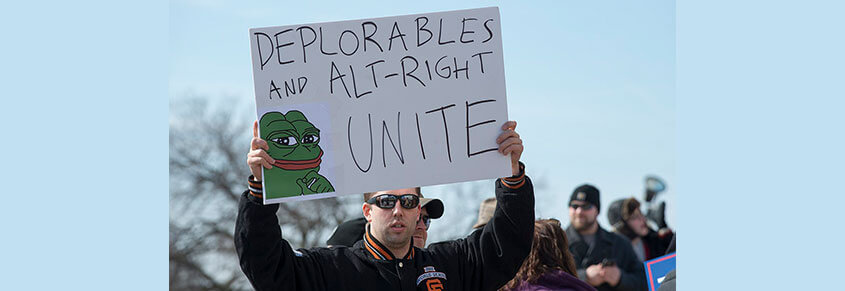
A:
x: 507, y: 250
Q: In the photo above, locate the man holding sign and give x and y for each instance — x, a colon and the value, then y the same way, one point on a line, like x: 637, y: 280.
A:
x: 386, y: 259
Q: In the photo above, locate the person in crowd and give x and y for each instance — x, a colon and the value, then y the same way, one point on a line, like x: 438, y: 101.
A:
x: 627, y: 220
x: 549, y: 266
x: 603, y: 259
x: 429, y: 209
x: 351, y: 231
x: 386, y: 258
x: 485, y: 212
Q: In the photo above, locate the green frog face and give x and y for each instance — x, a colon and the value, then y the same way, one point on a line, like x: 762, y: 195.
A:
x: 294, y: 142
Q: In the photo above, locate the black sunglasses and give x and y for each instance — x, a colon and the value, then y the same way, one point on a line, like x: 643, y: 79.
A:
x: 426, y: 220
x: 582, y: 206
x: 388, y: 201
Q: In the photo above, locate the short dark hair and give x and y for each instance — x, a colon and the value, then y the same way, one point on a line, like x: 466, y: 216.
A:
x: 368, y: 195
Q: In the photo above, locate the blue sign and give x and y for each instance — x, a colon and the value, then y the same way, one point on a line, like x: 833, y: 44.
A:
x: 657, y: 268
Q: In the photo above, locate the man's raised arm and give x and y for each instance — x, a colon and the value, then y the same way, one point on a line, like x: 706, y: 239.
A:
x: 495, y: 253
x: 267, y: 260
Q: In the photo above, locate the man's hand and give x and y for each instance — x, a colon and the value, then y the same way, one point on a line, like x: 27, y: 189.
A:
x: 510, y: 144
x: 594, y: 276
x: 611, y: 275
x: 257, y: 156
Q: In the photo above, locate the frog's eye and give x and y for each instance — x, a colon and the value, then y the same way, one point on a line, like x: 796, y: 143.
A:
x: 287, y: 141
x: 310, y: 138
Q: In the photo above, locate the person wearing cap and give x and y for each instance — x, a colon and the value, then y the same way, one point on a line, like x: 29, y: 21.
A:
x: 429, y: 209
x: 351, y: 231
x: 627, y: 220
x: 386, y: 258
x: 604, y: 260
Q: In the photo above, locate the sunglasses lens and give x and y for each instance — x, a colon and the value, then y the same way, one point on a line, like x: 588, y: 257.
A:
x: 409, y: 201
x: 582, y: 206
x: 386, y: 201
x: 425, y: 220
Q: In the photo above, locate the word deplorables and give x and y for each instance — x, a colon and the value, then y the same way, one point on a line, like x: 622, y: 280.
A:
x: 290, y: 45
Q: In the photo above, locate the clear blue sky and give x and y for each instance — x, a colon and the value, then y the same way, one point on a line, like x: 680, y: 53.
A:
x: 591, y: 84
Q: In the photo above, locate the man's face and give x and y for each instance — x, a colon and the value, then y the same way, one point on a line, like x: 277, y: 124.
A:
x: 421, y: 232
x: 637, y: 223
x: 582, y: 215
x: 393, y: 227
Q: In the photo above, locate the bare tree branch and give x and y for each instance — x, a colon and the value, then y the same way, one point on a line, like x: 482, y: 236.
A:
x: 208, y: 174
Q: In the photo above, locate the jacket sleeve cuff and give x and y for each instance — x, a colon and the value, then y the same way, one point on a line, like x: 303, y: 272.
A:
x: 256, y: 191
x: 515, y: 182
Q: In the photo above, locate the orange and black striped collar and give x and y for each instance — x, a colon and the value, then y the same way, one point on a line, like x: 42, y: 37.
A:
x: 379, y: 251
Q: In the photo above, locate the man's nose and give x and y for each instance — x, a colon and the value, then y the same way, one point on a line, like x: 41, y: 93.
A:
x: 397, y: 210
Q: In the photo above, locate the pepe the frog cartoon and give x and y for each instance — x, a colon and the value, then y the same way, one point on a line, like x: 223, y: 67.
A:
x: 295, y: 145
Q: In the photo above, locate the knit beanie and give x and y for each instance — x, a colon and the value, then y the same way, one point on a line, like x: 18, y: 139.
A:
x: 586, y: 193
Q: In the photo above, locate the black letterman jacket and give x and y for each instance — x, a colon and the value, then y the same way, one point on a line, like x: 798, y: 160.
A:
x: 484, y: 260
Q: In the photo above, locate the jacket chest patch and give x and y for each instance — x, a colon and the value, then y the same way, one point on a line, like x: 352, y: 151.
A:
x: 431, y: 279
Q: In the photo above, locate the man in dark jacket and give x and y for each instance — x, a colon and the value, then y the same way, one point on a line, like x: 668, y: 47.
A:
x: 627, y: 220
x: 604, y: 260
x: 386, y: 259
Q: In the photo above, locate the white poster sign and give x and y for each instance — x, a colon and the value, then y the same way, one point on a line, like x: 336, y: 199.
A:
x: 376, y: 104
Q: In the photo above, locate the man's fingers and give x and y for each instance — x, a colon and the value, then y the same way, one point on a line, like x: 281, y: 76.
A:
x: 258, y: 143
x: 503, y: 146
x: 512, y: 149
x: 257, y: 161
x: 266, y: 156
x: 255, y: 129
x: 505, y: 135
x: 509, y: 125
x: 260, y: 153
x: 260, y: 157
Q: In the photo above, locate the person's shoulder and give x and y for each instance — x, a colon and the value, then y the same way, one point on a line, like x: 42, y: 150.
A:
x: 569, y: 230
